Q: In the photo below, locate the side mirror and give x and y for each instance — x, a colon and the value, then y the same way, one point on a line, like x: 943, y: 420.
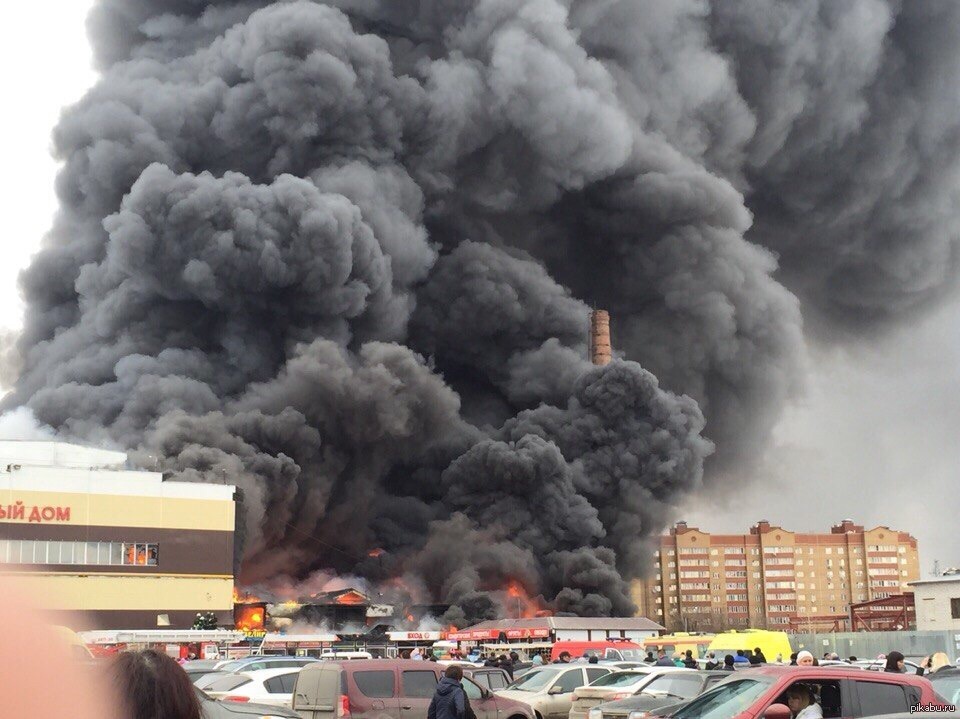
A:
x: 556, y: 689
x: 485, y: 693
x: 777, y: 711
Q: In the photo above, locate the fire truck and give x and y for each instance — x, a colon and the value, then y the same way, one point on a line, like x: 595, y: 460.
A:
x: 204, y: 643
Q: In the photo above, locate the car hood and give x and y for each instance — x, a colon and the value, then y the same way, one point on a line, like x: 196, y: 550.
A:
x: 528, y: 698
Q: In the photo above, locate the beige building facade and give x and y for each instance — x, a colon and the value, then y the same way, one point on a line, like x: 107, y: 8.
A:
x: 938, y: 603
x: 774, y: 578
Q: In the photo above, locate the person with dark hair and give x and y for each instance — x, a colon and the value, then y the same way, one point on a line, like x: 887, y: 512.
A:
x: 741, y: 658
x: 450, y: 700
x: 758, y: 657
x: 151, y: 685
x: 712, y: 662
x: 894, y: 663
x: 793, y: 659
x: 688, y: 661
x: 564, y: 658
x: 728, y: 663
x: 594, y: 659
x: 852, y: 659
x: 506, y: 664
x: 650, y: 659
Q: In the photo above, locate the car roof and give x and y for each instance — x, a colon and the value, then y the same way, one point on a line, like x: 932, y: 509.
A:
x: 369, y: 664
x: 826, y: 673
x: 261, y: 674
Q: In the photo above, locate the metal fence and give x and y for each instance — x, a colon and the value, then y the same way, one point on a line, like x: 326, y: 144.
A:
x: 869, y: 645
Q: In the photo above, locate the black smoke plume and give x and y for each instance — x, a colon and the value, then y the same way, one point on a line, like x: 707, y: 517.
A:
x: 342, y: 254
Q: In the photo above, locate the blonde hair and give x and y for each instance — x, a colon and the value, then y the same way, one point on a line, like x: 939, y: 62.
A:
x: 938, y: 661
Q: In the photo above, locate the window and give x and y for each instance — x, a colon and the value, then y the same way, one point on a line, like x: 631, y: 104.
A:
x: 496, y: 681
x: 470, y: 689
x: 877, y: 698
x: 375, y: 684
x: 420, y: 684
x: 955, y: 607
x: 594, y: 674
x: 282, y: 684
x: 569, y: 681
x: 679, y: 684
x: 227, y: 683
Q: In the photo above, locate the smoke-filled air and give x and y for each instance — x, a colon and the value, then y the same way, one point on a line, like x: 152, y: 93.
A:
x: 342, y: 254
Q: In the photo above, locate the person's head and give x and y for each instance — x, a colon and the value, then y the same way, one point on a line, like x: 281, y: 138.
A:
x: 793, y: 657
x: 564, y: 656
x: 826, y: 655
x: 689, y: 654
x: 661, y: 653
x: 594, y: 659
x: 649, y: 655
x: 852, y: 659
x: 938, y: 661
x: 152, y: 685
x: 712, y: 655
x: 728, y: 660
x: 454, y: 671
x: 514, y: 656
x: 894, y: 662
x: 739, y: 652
x: 799, y: 697
x: 804, y: 659
x: 756, y: 650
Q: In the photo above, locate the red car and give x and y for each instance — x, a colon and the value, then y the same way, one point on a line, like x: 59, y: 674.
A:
x: 760, y: 693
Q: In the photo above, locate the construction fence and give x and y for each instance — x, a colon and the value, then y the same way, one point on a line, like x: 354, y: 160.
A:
x: 869, y: 645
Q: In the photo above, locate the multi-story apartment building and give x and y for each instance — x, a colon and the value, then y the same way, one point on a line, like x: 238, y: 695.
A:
x: 773, y: 577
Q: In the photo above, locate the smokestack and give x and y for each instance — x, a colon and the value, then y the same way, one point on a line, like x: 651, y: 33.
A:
x: 600, y: 337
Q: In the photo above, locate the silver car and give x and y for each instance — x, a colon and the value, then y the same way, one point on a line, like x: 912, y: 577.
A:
x: 549, y: 690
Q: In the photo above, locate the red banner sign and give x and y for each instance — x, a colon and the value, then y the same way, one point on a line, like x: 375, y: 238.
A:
x: 528, y: 633
x: 18, y: 511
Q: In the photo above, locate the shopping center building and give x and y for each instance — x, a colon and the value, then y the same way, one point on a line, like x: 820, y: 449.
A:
x: 107, y: 547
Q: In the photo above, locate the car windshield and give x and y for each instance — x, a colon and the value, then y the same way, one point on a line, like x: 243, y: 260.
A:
x: 535, y: 680
x: 682, y: 685
x: 231, y: 666
x: 629, y: 653
x: 618, y: 679
x: 725, y: 701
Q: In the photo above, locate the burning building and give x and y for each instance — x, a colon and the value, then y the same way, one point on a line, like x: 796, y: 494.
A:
x: 342, y: 255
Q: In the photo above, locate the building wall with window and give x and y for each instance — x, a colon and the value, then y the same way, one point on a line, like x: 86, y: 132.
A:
x: 110, y: 547
x: 774, y: 578
x: 938, y: 603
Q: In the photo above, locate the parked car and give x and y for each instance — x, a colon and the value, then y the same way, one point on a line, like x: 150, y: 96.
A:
x: 387, y: 689
x: 264, y: 686
x: 199, y: 667
x: 840, y: 693
x: 549, y: 690
x: 608, y: 650
x: 202, y: 682
x: 212, y: 709
x: 616, y: 685
x: 877, y: 665
x: 263, y: 662
x: 946, y: 682
x: 492, y: 678
x: 664, y: 690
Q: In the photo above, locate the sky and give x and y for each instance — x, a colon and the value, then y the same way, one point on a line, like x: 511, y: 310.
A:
x: 874, y: 439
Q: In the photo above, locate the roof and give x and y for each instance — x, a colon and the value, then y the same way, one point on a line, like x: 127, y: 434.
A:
x: 571, y: 623
x: 45, y: 453
x: 831, y: 672
x: 937, y: 580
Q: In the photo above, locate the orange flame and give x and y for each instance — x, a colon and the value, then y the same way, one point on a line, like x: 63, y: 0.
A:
x: 520, y: 603
x: 350, y: 598
x: 378, y: 552
x: 249, y: 616
x: 245, y: 597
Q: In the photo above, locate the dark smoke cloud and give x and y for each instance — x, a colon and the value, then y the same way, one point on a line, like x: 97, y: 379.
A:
x: 342, y: 254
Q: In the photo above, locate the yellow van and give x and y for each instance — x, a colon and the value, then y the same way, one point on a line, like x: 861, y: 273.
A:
x: 679, y: 642
x: 770, y: 643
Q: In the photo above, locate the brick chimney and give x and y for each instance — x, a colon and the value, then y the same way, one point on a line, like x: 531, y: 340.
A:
x: 600, y: 351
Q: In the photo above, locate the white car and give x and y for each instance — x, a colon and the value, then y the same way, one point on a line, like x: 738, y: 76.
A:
x: 263, y: 686
x: 615, y: 686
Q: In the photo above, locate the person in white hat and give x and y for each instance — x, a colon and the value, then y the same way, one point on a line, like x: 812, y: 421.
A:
x: 804, y: 659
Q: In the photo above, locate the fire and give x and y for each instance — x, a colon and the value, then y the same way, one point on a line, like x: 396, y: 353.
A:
x: 350, y: 598
x: 245, y: 597
x: 378, y: 552
x: 249, y: 616
x: 410, y: 618
x: 520, y: 604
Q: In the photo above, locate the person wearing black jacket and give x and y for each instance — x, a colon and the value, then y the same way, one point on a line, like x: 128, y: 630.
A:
x: 688, y: 661
x: 450, y: 700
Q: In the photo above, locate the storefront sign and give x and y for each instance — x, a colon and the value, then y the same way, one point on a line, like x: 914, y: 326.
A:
x: 528, y: 633
x: 473, y: 635
x: 414, y: 636
x: 20, y: 512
